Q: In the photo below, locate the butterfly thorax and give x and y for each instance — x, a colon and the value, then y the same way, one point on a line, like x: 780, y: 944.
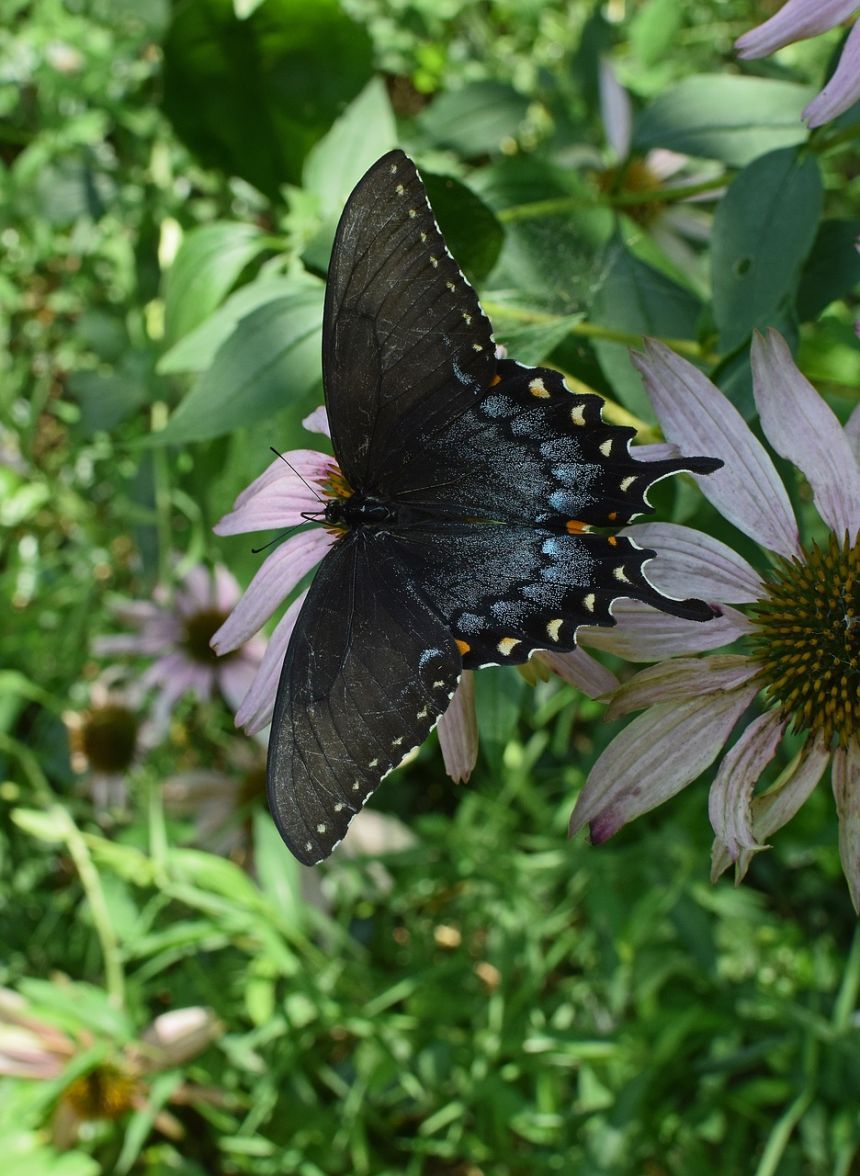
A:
x: 359, y: 511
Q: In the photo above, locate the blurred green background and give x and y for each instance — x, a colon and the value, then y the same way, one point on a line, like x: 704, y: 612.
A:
x: 489, y: 998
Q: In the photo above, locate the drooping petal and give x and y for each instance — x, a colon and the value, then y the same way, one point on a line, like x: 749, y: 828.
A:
x: 643, y: 634
x: 795, y: 21
x: 581, y: 670
x: 852, y: 432
x: 843, y: 89
x: 236, y: 676
x: 281, y: 501
x: 616, y: 110
x: 458, y: 731
x: 309, y: 463
x: 317, y: 422
x: 691, y: 563
x: 275, y: 580
x: 732, y: 789
x: 194, y: 593
x: 695, y: 414
x: 679, y: 679
x: 654, y: 757
x: 846, y: 791
x: 805, y: 430
x: 226, y: 590
x: 258, y: 704
x: 776, y: 807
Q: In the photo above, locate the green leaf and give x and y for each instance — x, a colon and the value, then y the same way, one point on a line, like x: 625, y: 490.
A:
x: 653, y: 29
x: 532, y: 344
x: 498, y: 698
x: 105, y: 399
x: 272, y: 358
x: 196, y: 350
x: 252, y: 96
x: 27, y: 1154
x: 364, y: 132
x: 832, y: 269
x: 470, y: 229
x: 475, y: 120
x: 734, y: 119
x: 209, y: 261
x: 763, y: 230
x: 278, y: 872
x: 639, y: 300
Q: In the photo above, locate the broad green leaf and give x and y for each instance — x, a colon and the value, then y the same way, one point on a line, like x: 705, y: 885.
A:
x: 364, y: 132
x: 272, y: 358
x: 471, y: 231
x: 639, y: 300
x: 653, y: 28
x: 533, y: 344
x: 734, y: 119
x: 832, y: 269
x: 209, y: 261
x: 106, y: 399
x: 252, y: 96
x: 476, y: 119
x: 278, y: 872
x: 763, y: 230
x: 196, y: 350
x: 498, y: 697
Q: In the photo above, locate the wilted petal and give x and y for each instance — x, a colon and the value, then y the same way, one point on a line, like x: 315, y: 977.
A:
x: 654, y: 757
x: 680, y: 679
x: 846, y: 790
x: 852, y: 432
x: 803, y: 429
x: 616, y: 110
x: 275, y: 580
x: 695, y: 414
x: 581, y: 670
x: 258, y: 704
x: 843, y: 89
x: 731, y: 791
x: 776, y: 807
x: 691, y: 563
x: 796, y: 20
x: 178, y: 1036
x: 317, y: 422
x: 644, y: 634
x: 458, y: 731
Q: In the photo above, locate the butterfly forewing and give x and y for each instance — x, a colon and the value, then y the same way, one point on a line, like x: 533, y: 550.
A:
x: 404, y: 337
x: 369, y: 670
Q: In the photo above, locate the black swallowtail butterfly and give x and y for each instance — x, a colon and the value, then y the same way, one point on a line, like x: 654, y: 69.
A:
x: 471, y: 484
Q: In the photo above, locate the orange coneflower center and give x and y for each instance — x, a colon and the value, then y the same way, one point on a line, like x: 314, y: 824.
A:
x: 200, y: 628
x: 808, y: 639
x: 108, y: 737
x: 105, y: 1093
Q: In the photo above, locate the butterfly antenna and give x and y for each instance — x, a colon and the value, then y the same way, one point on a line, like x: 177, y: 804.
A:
x: 312, y: 489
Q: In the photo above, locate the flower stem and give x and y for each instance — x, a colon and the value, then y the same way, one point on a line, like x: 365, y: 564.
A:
x: 91, y: 882
x: 161, y: 481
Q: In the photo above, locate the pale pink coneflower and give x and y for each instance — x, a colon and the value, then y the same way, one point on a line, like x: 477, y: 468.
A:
x: 801, y: 626
x: 292, y: 487
x: 108, y: 738
x: 175, y: 630
x: 118, y: 1080
x: 797, y: 20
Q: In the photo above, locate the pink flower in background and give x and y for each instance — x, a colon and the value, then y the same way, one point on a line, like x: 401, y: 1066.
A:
x: 119, y: 1077
x: 109, y: 737
x: 797, y: 20
x: 176, y: 631
x: 291, y: 488
x: 801, y: 625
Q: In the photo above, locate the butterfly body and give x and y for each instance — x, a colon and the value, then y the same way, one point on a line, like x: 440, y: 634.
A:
x: 470, y: 486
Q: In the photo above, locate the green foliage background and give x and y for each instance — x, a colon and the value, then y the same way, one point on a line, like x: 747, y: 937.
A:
x: 512, y: 1002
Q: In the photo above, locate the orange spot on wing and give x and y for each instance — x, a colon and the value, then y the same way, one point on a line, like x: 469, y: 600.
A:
x: 463, y: 646
x: 575, y: 527
x: 612, y: 516
x: 497, y: 379
x: 612, y: 541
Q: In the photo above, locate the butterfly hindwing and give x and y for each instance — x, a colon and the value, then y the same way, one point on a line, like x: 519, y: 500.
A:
x: 404, y: 337
x: 369, y: 669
